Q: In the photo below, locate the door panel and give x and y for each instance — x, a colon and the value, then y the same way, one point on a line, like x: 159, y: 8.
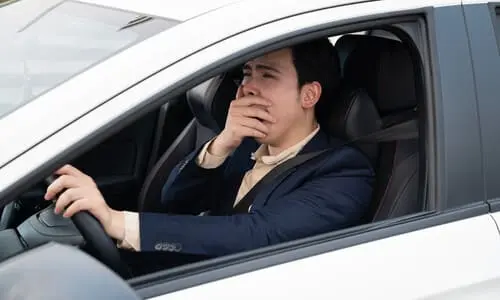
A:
x: 455, y: 258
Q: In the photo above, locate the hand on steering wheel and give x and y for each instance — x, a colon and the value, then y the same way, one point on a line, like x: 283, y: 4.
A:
x: 78, y: 192
x: 88, y: 211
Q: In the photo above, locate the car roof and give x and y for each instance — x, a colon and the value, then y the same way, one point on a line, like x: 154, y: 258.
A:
x: 177, y: 10
x: 187, y: 9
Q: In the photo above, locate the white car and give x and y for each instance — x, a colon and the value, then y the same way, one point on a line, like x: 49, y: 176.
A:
x: 119, y: 88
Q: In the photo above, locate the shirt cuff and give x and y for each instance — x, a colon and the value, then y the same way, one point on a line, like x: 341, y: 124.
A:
x: 132, y: 239
x: 207, y: 160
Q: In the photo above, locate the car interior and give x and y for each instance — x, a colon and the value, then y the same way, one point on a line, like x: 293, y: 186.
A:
x: 378, y: 91
x: 380, y: 88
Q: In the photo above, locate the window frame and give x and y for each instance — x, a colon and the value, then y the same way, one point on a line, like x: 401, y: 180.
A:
x: 198, y: 273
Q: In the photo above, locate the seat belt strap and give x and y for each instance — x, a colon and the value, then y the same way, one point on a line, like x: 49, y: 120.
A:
x: 402, y: 131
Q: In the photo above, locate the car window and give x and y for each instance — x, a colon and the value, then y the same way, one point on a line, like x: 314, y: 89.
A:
x: 62, y: 42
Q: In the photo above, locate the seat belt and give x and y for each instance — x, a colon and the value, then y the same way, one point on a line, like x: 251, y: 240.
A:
x: 403, y: 131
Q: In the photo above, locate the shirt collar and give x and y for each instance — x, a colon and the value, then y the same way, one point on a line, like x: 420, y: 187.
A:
x: 262, y: 153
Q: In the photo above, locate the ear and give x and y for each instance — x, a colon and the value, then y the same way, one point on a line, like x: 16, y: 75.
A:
x: 310, y: 94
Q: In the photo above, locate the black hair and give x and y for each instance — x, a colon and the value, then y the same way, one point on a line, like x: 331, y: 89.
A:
x: 318, y: 60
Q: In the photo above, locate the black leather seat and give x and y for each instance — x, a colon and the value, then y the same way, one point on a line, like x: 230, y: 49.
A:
x: 353, y: 115
x: 209, y: 120
x: 384, y: 69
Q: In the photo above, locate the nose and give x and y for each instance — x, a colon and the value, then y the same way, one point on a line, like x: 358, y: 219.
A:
x: 250, y: 88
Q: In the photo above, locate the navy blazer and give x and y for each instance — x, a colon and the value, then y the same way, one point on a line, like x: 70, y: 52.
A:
x: 316, y: 197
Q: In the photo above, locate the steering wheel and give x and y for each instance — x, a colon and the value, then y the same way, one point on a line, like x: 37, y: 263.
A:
x: 99, y: 243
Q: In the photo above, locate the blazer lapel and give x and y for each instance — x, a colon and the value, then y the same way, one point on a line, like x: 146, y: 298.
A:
x: 319, y: 142
x: 242, y: 162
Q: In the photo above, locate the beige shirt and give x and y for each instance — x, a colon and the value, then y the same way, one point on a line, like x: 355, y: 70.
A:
x: 264, y: 163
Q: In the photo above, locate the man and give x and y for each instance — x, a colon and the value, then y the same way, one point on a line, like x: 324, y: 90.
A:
x: 271, y: 120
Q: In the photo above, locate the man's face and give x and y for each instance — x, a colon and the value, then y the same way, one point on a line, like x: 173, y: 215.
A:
x: 273, y: 77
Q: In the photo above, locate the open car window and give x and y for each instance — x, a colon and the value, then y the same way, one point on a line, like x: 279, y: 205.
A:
x: 62, y: 42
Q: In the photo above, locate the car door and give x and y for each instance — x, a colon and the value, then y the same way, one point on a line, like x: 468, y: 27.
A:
x: 450, y: 261
x: 450, y: 252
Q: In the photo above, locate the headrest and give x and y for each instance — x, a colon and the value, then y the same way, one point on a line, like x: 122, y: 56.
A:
x: 354, y: 115
x: 209, y: 101
x: 384, y: 68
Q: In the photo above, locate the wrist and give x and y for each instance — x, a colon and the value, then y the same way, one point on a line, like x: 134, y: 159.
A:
x: 219, y: 147
x: 116, y: 228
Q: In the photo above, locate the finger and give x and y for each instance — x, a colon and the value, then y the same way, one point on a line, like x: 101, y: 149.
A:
x: 250, y: 132
x: 251, y: 100
x: 239, y: 92
x: 259, y: 113
x: 66, y: 198
x: 69, y: 170
x: 61, y: 183
x: 82, y: 204
x: 252, y: 123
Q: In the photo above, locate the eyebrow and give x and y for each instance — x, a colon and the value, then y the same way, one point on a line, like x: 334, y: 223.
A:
x: 262, y: 67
